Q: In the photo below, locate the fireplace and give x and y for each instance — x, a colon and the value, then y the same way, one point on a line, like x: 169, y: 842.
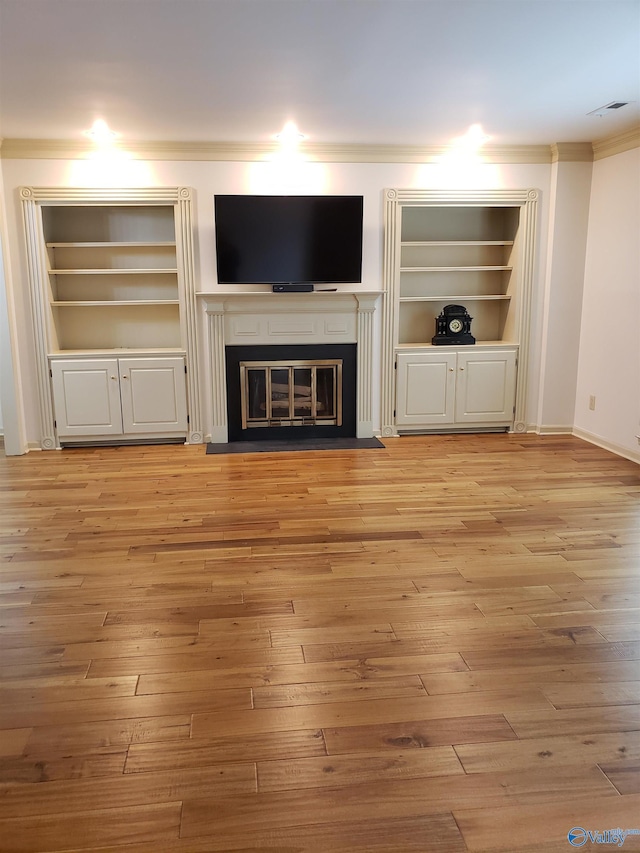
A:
x: 292, y: 392
x: 260, y: 326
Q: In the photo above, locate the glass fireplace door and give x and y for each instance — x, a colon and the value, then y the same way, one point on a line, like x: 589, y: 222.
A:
x: 296, y: 393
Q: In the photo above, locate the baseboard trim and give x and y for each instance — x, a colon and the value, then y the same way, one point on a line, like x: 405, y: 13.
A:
x: 606, y: 445
x: 553, y: 429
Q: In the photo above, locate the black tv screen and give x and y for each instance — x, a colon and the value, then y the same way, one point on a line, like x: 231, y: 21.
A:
x: 263, y: 239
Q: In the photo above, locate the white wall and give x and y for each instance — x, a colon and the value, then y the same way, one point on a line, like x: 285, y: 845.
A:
x: 609, y: 359
x: 11, y: 408
x: 208, y: 178
x: 563, y: 285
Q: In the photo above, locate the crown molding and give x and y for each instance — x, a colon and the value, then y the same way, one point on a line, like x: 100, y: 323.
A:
x: 64, y: 149
x: 60, y: 149
x: 572, y: 152
x: 617, y: 144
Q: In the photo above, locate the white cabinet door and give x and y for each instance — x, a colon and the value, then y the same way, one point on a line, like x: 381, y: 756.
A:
x: 485, y: 386
x: 153, y: 392
x: 425, y: 388
x: 450, y: 387
x: 86, y: 397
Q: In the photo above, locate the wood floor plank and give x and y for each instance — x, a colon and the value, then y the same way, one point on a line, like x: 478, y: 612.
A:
x: 362, y: 690
x: 58, y: 689
x: 23, y: 672
x: 570, y: 654
x: 32, y: 769
x: 440, y: 600
x: 564, y: 750
x: 580, y: 635
x: 22, y: 622
x: 417, y: 734
x: 118, y: 791
x: 131, y: 597
x: 215, y: 630
x: 475, y: 625
x: 13, y: 741
x: 93, y: 710
x: 91, y: 829
x: 436, y: 833
x: 456, y: 581
x: 624, y: 774
x: 73, y: 633
x: 487, y: 648
x: 193, y: 615
x: 588, y: 695
x: 337, y: 771
x: 362, y: 713
x: 320, y: 636
x: 511, y: 827
x: 214, y: 750
x: 539, y: 676
x: 68, y: 738
x: 181, y: 672
x: 388, y: 799
x: 191, y: 647
x: 319, y: 590
x: 620, y: 633
x: 528, y: 724
x: 600, y: 619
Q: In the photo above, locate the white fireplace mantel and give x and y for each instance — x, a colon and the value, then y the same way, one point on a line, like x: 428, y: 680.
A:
x: 263, y: 318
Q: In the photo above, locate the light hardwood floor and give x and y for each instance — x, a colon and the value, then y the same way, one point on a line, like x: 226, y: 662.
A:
x: 433, y: 646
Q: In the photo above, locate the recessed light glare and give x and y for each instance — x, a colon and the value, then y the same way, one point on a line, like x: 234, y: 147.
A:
x: 100, y: 132
x: 473, y: 139
x: 290, y: 135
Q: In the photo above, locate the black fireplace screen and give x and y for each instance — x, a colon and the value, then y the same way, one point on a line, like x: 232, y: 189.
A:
x: 291, y: 393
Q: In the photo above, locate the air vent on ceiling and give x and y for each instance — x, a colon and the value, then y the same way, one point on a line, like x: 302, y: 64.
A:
x: 612, y: 106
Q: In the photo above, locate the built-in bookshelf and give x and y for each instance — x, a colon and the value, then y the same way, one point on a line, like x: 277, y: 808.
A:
x: 457, y: 255
x: 112, y: 276
x: 472, y: 249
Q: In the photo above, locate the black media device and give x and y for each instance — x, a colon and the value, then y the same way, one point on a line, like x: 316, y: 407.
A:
x: 290, y: 242
x: 292, y: 288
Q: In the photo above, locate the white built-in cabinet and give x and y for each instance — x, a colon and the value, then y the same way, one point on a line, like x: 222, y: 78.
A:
x: 119, y: 396
x: 470, y: 248
x: 113, y: 298
x: 474, y: 387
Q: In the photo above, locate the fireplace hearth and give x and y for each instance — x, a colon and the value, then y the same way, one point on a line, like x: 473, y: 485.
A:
x: 292, y: 392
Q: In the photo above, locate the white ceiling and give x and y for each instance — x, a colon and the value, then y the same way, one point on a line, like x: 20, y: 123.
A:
x: 406, y: 72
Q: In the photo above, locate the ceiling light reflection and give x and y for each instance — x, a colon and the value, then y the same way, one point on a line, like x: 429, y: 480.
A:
x: 100, y: 133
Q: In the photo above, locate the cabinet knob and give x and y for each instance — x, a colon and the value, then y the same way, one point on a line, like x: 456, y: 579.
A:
x: 462, y: 368
x: 113, y: 377
x: 451, y: 370
x: 125, y: 376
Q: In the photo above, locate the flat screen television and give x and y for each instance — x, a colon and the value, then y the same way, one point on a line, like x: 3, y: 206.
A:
x: 287, y: 240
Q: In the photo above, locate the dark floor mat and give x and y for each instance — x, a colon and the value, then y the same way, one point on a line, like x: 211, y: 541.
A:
x: 302, y: 444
